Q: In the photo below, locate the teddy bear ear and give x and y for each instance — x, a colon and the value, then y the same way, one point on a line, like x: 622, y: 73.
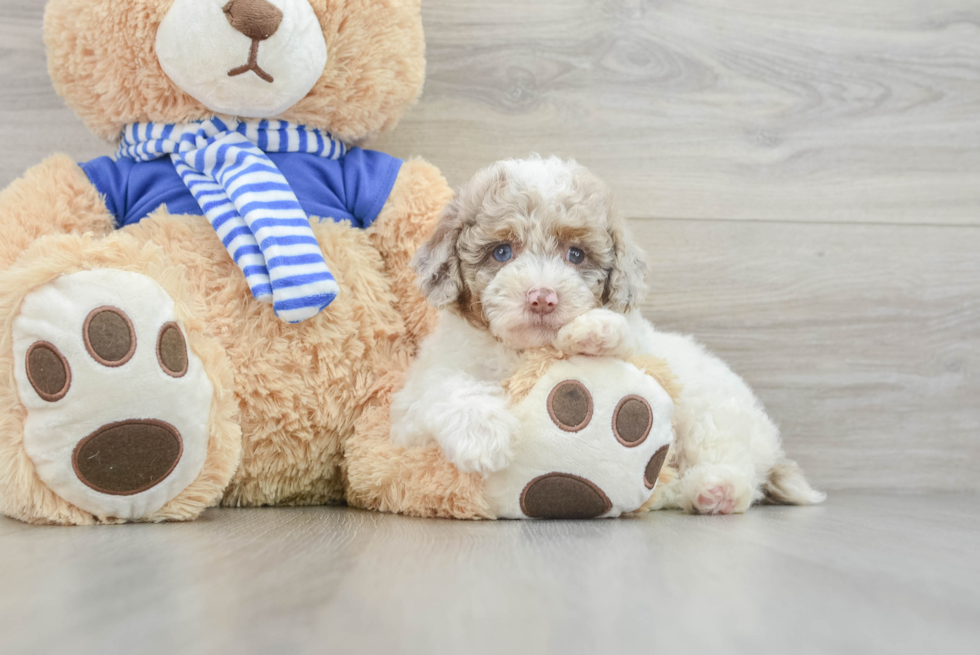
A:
x: 437, y: 261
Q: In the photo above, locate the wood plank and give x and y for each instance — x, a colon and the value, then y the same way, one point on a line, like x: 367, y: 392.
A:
x: 860, y: 574
x: 830, y: 111
x: 862, y: 340
x: 34, y: 121
x: 824, y: 110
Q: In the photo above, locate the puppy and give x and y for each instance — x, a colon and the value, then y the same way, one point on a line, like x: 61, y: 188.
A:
x: 531, y: 253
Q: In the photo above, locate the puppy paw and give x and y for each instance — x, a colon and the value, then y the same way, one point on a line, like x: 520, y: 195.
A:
x: 598, y: 332
x: 716, y: 490
x: 477, y: 438
x: 719, y: 499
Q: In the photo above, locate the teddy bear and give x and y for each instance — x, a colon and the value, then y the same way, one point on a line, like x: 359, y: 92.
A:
x: 595, y: 442
x: 219, y: 313
x: 179, y: 331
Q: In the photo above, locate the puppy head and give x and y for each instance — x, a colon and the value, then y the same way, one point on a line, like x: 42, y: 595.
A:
x: 528, y: 245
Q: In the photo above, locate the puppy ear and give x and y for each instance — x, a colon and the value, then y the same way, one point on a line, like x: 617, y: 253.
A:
x: 437, y: 262
x: 626, y: 282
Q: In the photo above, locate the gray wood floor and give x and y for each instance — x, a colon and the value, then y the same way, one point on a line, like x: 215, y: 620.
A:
x: 864, y: 574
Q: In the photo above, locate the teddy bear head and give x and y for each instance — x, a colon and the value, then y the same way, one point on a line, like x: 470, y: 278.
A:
x: 349, y: 67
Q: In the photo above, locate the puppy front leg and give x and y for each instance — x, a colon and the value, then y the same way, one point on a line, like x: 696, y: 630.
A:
x: 468, y: 419
x: 597, y: 332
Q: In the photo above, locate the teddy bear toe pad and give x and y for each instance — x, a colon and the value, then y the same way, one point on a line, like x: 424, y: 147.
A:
x: 117, y: 405
x: 563, y: 496
x: 595, y: 435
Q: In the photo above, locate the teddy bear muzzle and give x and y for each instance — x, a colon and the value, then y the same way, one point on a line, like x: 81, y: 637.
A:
x: 258, y: 20
x: 261, y: 56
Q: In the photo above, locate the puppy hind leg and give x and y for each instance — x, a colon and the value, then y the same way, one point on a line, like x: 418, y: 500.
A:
x: 717, y: 489
x: 787, y: 485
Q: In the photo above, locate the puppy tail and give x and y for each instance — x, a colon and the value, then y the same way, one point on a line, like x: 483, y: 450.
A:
x: 788, y: 486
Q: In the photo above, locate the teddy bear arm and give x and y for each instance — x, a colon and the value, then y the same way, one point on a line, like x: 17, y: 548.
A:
x: 405, y: 223
x: 54, y: 197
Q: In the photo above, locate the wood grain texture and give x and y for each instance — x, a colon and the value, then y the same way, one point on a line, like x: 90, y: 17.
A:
x: 863, y: 341
x: 810, y: 110
x: 862, y: 574
x: 34, y: 121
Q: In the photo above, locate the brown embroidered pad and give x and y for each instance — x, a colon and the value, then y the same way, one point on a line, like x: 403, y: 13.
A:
x: 122, y: 459
x: 563, y: 496
x: 570, y: 406
x: 632, y: 421
x: 48, y: 371
x: 172, y: 350
x: 109, y: 336
x: 653, y: 467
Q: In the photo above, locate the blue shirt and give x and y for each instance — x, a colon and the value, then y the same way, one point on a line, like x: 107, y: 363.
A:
x: 353, y: 188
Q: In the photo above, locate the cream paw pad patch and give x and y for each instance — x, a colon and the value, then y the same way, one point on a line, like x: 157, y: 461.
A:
x: 596, y: 433
x: 117, y: 403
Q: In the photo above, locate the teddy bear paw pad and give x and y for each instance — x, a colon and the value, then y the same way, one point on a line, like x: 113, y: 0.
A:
x: 563, y: 496
x: 595, y: 434
x: 117, y: 403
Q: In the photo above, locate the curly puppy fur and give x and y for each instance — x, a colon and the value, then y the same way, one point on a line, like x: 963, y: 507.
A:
x: 525, y: 230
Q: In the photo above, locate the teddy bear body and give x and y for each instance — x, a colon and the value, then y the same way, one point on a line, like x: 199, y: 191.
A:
x: 222, y: 312
x: 283, y: 398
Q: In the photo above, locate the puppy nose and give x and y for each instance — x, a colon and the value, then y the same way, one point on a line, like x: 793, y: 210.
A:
x: 256, y: 19
x: 542, y: 301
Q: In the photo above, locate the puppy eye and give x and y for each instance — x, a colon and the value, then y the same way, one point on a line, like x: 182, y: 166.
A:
x: 503, y: 253
x: 575, y: 256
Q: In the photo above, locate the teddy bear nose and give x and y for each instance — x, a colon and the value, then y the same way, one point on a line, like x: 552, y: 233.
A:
x: 256, y: 19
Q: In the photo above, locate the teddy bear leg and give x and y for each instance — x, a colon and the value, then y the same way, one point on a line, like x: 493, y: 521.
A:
x: 115, y: 404
x: 596, y: 435
x: 54, y: 197
x: 415, y: 481
x: 405, y: 223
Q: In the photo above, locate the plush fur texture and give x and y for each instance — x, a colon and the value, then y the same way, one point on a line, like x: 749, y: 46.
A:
x: 23, y: 495
x: 287, y: 398
x: 415, y: 482
x: 420, y: 481
x: 53, y: 197
x: 102, y: 60
x: 526, y: 229
x: 301, y: 388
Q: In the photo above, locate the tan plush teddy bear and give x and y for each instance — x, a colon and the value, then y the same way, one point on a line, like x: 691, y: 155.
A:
x: 595, y: 437
x: 221, y: 312
x: 203, y: 317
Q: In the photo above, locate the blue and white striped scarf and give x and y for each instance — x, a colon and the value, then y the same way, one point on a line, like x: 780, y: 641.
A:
x: 248, y: 201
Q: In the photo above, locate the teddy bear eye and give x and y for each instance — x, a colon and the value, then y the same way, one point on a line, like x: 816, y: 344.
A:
x: 575, y: 256
x: 503, y: 253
